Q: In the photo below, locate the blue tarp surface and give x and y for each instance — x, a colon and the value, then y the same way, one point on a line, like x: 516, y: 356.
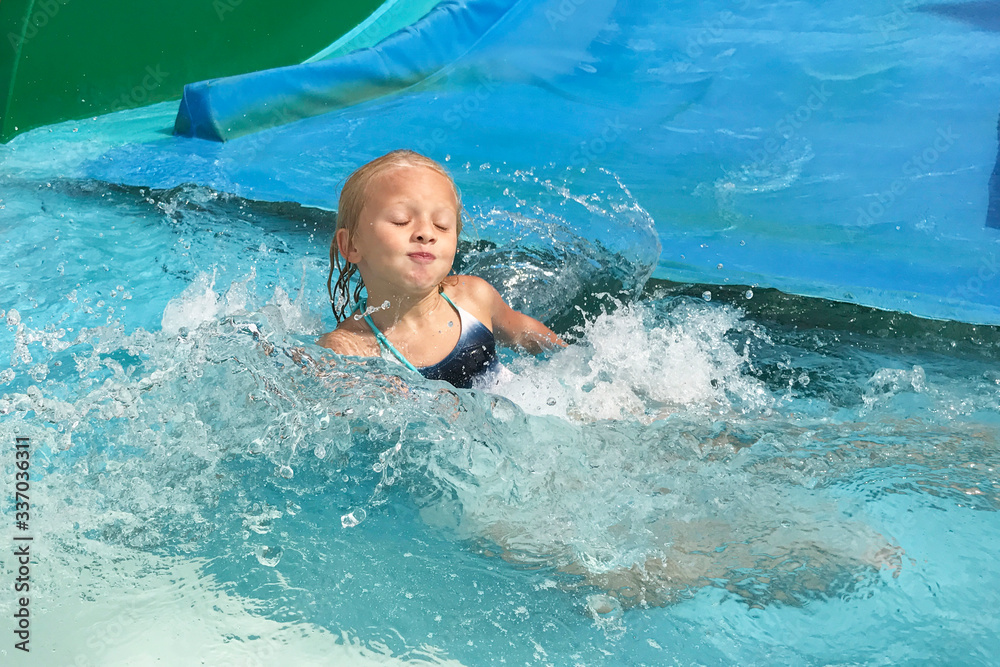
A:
x: 833, y: 149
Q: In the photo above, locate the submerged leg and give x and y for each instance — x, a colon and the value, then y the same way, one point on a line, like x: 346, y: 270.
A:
x: 787, y: 566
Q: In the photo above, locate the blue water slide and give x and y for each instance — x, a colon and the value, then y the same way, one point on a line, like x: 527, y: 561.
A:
x: 832, y: 150
x: 226, y: 108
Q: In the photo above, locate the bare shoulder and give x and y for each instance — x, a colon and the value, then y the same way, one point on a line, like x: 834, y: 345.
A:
x: 351, y: 338
x: 473, y: 289
x: 474, y: 295
x: 510, y: 327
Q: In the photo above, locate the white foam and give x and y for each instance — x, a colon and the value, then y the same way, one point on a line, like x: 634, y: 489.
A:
x: 626, y: 369
x: 195, y: 306
x: 200, y: 304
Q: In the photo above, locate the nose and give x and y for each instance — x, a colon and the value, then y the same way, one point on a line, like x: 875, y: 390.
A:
x: 423, y: 232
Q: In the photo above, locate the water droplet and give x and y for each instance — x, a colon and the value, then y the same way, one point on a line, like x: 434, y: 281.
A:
x: 803, y: 379
x: 353, y: 518
x: 600, y: 605
x: 706, y: 295
x: 749, y: 294
x: 269, y: 556
x: 285, y: 471
x: 503, y: 410
x: 719, y: 265
x: 551, y: 401
x: 320, y: 451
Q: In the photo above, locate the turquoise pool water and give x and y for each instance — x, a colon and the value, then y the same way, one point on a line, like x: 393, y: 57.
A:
x: 684, y: 484
x: 714, y: 472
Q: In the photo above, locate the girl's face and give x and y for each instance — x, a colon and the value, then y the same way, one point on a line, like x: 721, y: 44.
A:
x: 406, y: 236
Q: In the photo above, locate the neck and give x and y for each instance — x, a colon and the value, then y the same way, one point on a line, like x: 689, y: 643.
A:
x: 404, y: 309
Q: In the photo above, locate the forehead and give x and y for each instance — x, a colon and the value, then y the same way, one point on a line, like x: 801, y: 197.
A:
x: 410, y: 184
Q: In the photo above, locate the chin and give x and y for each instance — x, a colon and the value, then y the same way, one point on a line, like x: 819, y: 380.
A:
x: 422, y: 286
x: 428, y: 279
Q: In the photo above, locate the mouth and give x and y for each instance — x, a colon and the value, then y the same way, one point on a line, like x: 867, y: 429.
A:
x: 422, y: 257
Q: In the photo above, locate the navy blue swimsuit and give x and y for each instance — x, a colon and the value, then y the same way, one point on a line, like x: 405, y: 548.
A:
x: 473, y: 356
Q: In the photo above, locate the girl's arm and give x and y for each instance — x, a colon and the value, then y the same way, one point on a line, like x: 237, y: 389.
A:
x: 514, y: 329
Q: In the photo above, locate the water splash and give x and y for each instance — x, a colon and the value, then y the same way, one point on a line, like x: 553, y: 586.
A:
x: 642, y: 364
x: 371, y: 310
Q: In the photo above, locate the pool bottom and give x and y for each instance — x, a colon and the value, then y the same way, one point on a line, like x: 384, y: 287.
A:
x: 113, y: 606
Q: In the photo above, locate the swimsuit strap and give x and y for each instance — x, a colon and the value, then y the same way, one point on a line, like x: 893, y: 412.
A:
x: 380, y: 337
x: 473, y: 355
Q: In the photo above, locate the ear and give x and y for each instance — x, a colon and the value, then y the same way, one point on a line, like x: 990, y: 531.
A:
x: 346, y: 247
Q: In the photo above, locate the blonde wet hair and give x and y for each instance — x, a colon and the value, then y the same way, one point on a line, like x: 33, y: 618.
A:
x: 352, y: 202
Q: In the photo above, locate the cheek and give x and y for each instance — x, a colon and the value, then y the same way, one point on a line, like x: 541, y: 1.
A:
x: 382, y: 241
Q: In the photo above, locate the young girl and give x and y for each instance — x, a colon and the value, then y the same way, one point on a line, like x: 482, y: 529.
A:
x: 397, y: 225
